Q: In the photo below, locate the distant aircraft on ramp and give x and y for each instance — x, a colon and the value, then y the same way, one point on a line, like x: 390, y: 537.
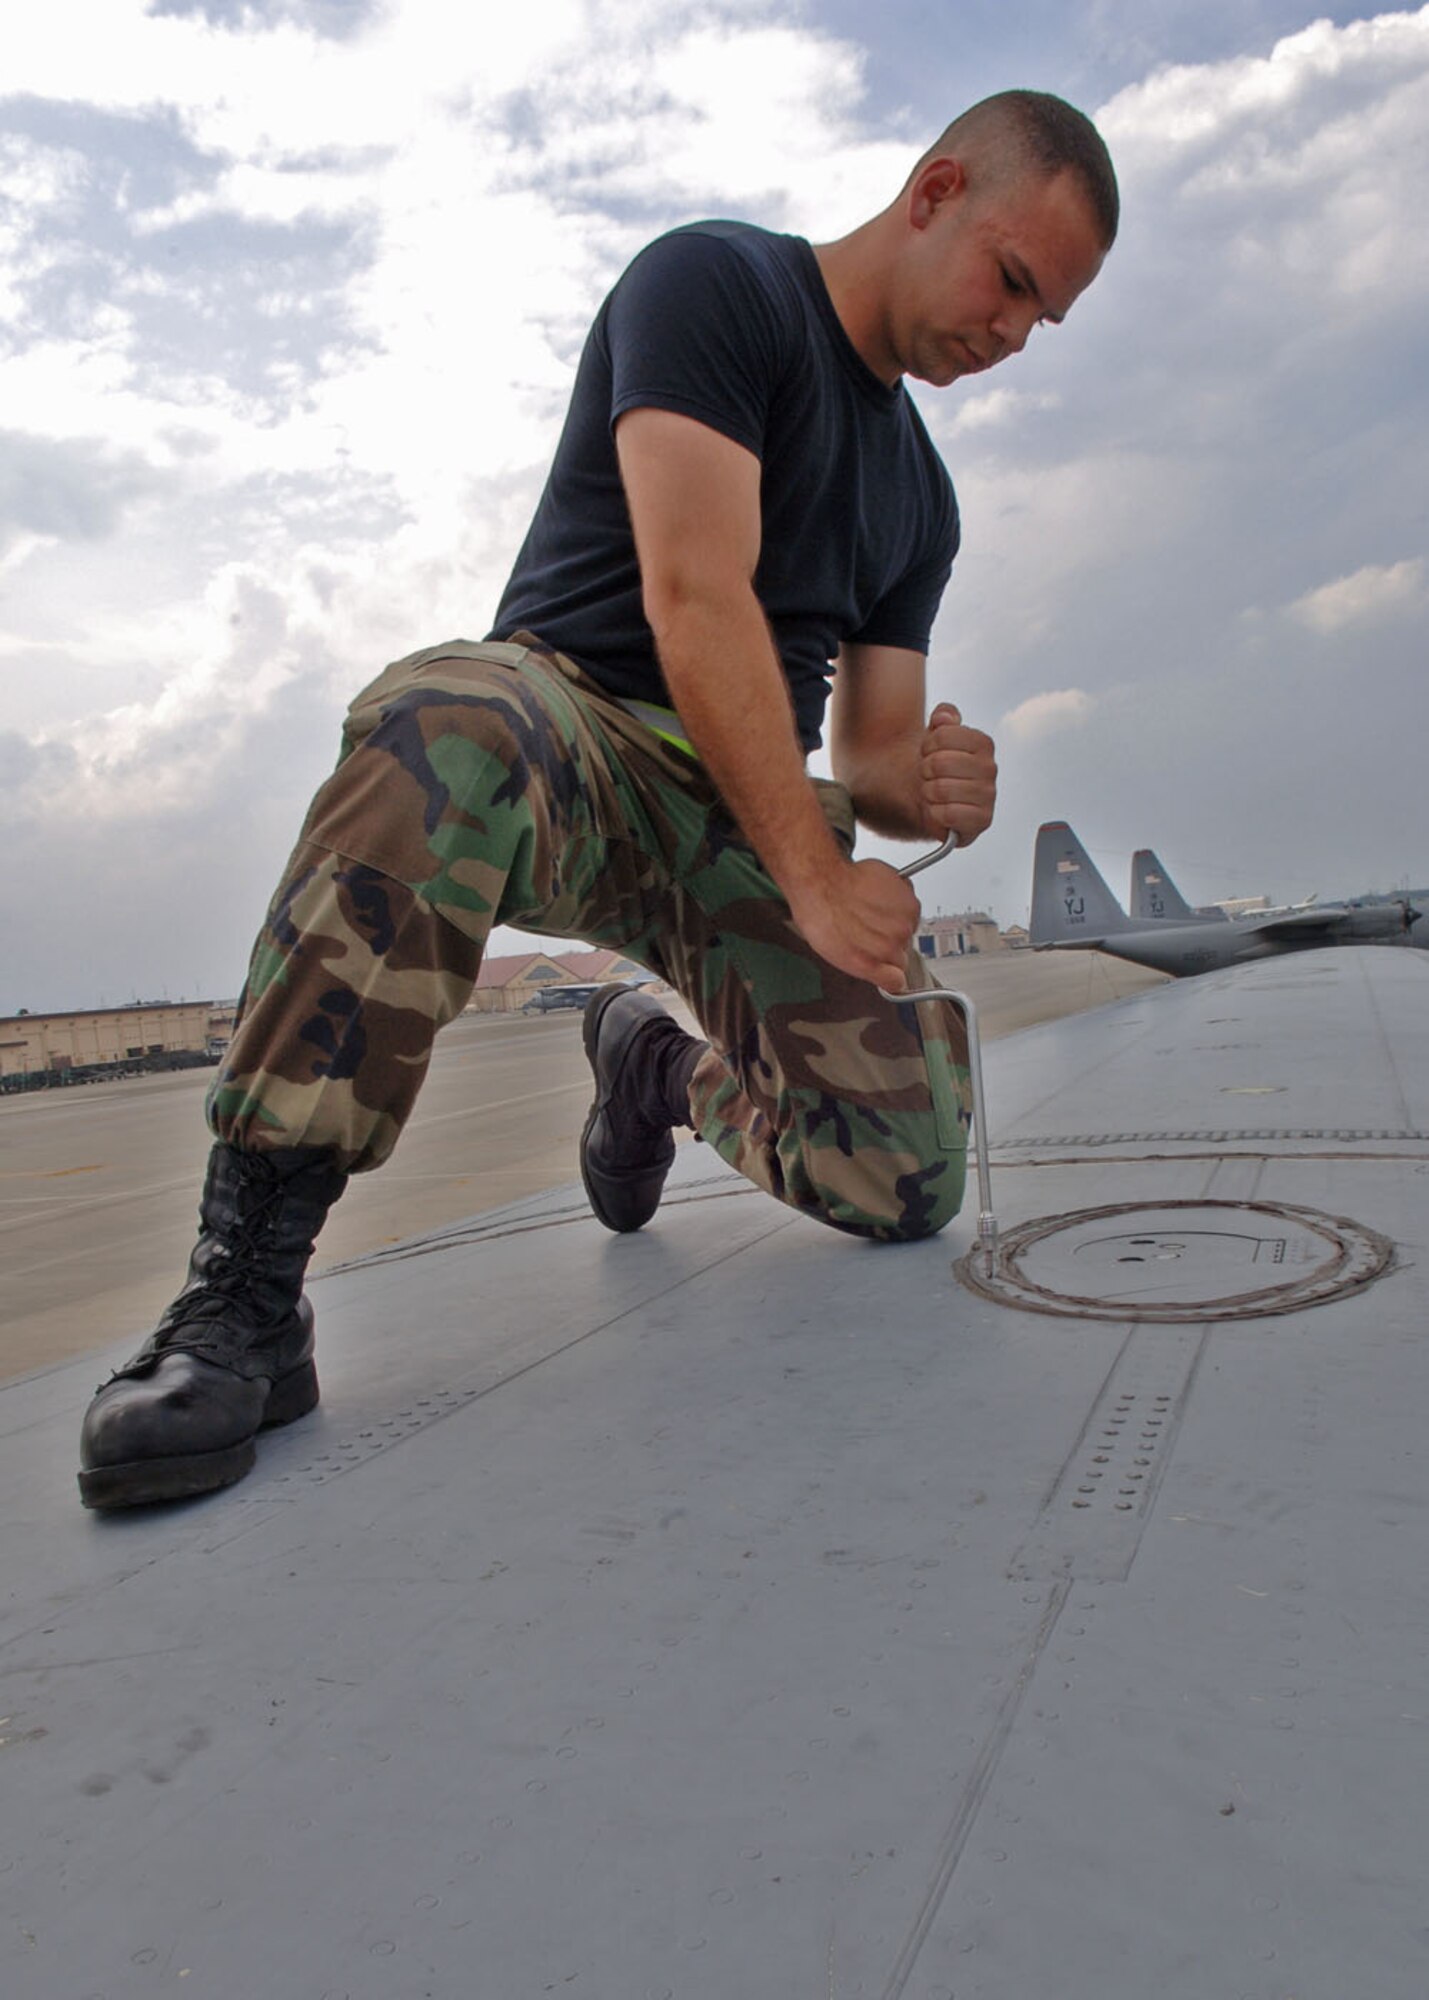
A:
x: 1155, y: 899
x: 1416, y: 899
x: 1073, y: 910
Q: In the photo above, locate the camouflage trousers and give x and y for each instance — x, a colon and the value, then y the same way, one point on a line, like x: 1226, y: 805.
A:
x: 496, y: 783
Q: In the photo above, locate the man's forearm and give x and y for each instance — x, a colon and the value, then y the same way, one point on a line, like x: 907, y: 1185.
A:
x: 728, y: 687
x: 885, y: 786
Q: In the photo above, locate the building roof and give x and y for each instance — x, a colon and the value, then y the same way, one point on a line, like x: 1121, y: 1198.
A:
x: 505, y: 971
x: 591, y: 965
x: 582, y: 966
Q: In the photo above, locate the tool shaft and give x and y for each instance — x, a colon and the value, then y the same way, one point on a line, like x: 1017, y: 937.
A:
x: 987, y: 1221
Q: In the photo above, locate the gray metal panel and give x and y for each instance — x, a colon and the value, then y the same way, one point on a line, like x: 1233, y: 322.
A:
x: 1322, y: 1040
x: 706, y: 1613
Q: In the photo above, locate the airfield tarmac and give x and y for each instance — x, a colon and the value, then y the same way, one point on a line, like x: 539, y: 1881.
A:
x: 99, y: 1183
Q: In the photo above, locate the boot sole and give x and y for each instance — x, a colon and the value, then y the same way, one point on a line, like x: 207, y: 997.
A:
x: 145, y: 1480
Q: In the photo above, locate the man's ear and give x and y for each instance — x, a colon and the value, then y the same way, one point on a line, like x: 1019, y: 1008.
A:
x: 937, y: 181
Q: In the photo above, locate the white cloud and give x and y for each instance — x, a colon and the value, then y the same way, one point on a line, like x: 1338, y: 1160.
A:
x: 1306, y: 163
x: 1048, y: 714
x: 40, y: 191
x: 1185, y: 110
x: 996, y: 408
x: 321, y: 299
x: 473, y: 175
x: 1371, y: 595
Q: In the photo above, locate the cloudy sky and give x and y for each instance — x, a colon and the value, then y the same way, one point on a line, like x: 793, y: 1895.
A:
x: 291, y: 293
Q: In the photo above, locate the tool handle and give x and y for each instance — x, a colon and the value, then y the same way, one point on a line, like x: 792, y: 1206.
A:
x: 927, y: 860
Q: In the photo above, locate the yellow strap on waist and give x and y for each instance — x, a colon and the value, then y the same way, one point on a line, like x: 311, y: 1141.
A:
x: 662, y: 722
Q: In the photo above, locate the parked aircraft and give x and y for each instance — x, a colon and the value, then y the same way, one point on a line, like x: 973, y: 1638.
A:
x: 1155, y: 899
x: 1073, y: 909
x: 1416, y: 899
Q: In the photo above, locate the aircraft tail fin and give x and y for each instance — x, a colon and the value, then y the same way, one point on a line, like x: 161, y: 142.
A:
x: 1071, y: 904
x: 1154, y: 896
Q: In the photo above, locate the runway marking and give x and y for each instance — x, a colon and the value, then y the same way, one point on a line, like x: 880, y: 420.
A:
x: 501, y: 1104
x: 69, y: 1209
x: 70, y: 1259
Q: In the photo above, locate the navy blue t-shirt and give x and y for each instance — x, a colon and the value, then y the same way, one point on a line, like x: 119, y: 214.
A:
x: 734, y: 326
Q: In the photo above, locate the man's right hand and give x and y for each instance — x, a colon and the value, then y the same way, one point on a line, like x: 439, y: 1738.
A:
x: 861, y: 917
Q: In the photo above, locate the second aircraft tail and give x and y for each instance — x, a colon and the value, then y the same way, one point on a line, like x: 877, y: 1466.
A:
x: 1155, y: 899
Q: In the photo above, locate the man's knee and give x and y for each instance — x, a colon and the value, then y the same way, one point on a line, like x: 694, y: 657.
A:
x: 888, y: 1196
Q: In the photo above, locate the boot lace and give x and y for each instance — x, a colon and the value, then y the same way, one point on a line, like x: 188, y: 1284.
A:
x: 229, y: 1269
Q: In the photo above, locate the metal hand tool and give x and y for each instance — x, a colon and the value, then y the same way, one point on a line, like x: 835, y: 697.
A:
x: 986, y: 1221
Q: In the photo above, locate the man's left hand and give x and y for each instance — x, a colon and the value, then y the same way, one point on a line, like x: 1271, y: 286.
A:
x: 958, y: 777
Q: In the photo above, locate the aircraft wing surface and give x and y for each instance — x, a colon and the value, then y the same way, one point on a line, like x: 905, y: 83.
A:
x: 737, y: 1609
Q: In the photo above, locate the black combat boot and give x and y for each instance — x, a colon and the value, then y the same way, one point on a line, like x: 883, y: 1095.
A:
x: 643, y: 1062
x: 233, y: 1353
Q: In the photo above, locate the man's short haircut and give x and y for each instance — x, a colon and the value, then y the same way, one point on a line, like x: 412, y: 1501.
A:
x: 1030, y: 130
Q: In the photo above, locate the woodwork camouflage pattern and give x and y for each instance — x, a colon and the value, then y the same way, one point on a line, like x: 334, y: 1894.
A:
x: 496, y: 783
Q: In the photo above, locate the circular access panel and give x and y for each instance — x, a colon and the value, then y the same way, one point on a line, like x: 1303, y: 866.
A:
x: 1180, y: 1260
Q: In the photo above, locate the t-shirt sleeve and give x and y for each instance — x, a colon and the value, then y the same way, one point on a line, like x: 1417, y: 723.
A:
x: 904, y: 615
x: 690, y: 329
